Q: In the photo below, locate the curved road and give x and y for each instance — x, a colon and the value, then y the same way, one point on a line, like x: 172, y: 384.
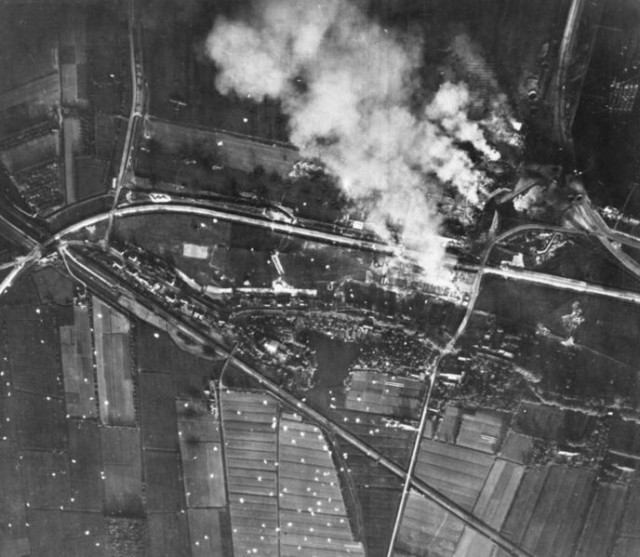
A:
x: 584, y: 216
x: 548, y: 280
x: 561, y: 125
x: 228, y: 353
x: 187, y: 209
x: 137, y: 111
x: 408, y: 475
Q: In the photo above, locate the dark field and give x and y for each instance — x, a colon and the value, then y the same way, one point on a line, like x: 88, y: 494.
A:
x: 378, y: 492
x: 579, y: 258
x: 178, y: 70
x: 530, y: 515
x: 117, y: 442
x: 240, y: 252
x: 552, y: 423
x: 73, y: 76
x: 78, y: 490
x: 427, y: 529
x: 599, y: 366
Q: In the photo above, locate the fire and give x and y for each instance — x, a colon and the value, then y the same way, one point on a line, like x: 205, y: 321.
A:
x: 347, y: 86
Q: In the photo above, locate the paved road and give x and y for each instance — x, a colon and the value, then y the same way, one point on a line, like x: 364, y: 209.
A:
x: 589, y: 220
x: 294, y: 230
x: 16, y: 234
x: 105, y: 281
x: 384, y: 249
x: 594, y: 225
x: 562, y: 126
x: 18, y: 230
x: 70, y: 214
x: 561, y: 283
x: 102, y: 284
x: 516, y: 274
x: 136, y: 114
x: 21, y: 265
x: 19, y: 227
x: 448, y: 349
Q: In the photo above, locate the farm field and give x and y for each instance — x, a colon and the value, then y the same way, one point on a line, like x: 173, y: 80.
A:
x: 284, y: 490
x: 371, y: 249
x: 549, y: 510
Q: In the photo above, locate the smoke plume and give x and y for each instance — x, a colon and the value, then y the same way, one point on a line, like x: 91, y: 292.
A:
x: 348, y: 86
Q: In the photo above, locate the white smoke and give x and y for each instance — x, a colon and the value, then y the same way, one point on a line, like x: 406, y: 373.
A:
x: 346, y: 84
x: 499, y: 120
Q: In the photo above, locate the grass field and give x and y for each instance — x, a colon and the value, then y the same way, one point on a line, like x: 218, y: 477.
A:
x: 63, y: 533
x: 457, y: 472
x: 40, y: 422
x: 380, y: 393
x: 45, y: 480
x: 239, y: 152
x: 12, y: 508
x: 378, y: 494
x: 75, y: 539
x: 549, y: 510
x: 114, y: 366
x: 600, y: 528
x: 393, y: 442
x: 201, y: 454
x: 482, y: 430
x: 628, y: 543
x: 208, y: 533
x: 158, y: 425
x: 517, y: 448
x: 427, y: 529
x: 178, y: 69
x: 164, y: 488
x: 492, y: 507
x: 157, y: 353
x: 549, y: 422
x: 85, y: 454
x: 122, y: 476
x: 240, y: 252
x: 32, y: 350
x: 76, y: 347
x: 599, y: 368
